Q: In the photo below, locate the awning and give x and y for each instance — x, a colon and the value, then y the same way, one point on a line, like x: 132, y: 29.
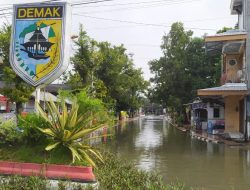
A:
x: 228, y: 42
x: 46, y: 96
x: 225, y: 90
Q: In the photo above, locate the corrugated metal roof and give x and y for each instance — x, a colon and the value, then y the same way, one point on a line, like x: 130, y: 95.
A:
x: 230, y: 33
x: 228, y: 87
x: 233, y: 40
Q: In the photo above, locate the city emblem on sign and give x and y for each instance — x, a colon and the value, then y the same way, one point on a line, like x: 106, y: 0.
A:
x: 39, y: 48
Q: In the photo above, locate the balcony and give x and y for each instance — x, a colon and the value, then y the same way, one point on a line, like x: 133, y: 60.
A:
x: 238, y: 77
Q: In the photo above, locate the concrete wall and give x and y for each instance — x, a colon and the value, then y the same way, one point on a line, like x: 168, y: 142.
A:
x: 232, y: 114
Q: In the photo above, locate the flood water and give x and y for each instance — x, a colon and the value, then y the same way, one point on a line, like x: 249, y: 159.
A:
x: 153, y: 144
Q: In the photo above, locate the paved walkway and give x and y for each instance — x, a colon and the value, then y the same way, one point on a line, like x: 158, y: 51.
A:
x: 203, y: 135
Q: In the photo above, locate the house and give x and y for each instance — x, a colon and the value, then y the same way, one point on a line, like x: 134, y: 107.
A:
x: 44, y: 97
x: 50, y: 93
x: 233, y: 94
x: 206, y: 112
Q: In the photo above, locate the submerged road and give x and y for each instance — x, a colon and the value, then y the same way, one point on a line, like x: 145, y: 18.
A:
x: 152, y: 144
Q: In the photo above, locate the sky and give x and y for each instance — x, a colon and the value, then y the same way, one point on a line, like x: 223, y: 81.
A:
x: 140, y: 24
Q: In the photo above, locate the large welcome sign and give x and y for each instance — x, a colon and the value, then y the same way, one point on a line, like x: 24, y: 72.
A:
x: 39, y: 49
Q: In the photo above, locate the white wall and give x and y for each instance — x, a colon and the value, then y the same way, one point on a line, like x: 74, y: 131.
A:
x: 210, y: 112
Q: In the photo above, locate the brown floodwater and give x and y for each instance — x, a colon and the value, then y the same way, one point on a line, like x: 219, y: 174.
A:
x: 154, y: 145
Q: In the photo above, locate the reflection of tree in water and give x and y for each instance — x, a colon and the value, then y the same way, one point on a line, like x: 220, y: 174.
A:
x: 213, y: 166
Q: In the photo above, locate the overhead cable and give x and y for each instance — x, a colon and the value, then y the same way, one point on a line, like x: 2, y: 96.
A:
x: 90, y: 2
x: 138, y: 23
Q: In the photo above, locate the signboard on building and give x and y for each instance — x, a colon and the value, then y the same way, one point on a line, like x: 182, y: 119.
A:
x: 199, y: 105
x: 39, y: 51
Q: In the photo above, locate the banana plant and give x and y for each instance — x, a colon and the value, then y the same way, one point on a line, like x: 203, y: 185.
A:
x: 71, y: 130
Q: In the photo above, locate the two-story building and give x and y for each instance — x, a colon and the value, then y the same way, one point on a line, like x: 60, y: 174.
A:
x: 234, y: 48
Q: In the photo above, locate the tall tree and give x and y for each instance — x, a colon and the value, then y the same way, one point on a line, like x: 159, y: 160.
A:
x: 183, y: 68
x: 124, y: 82
x: 85, y: 62
x: 15, y: 88
x: 109, y: 71
x: 170, y: 71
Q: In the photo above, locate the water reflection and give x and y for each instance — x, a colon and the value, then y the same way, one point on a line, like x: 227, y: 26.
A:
x: 154, y: 145
x: 149, y: 137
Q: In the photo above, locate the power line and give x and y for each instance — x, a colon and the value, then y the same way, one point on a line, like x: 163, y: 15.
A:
x: 138, y: 23
x: 143, y: 45
x: 125, y: 4
x: 5, y: 14
x: 5, y: 17
x: 90, y: 2
x: 75, y: 4
x: 9, y: 6
x: 144, y: 6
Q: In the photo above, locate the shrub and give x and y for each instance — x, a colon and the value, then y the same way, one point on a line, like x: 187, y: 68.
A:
x: 123, y: 115
x: 89, y: 104
x: 9, y: 132
x: 118, y: 174
x: 36, y: 183
x: 71, y: 130
x: 28, y: 124
x: 21, y: 183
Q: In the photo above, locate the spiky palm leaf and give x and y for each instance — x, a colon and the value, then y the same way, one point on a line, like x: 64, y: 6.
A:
x: 67, y: 128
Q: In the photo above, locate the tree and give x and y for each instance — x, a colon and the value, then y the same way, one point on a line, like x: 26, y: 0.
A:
x: 182, y: 70
x: 224, y: 29
x: 170, y: 73
x: 124, y: 82
x: 15, y: 88
x: 108, y: 72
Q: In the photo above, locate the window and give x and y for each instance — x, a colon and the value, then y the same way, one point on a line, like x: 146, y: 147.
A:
x: 232, y: 62
x: 216, y: 112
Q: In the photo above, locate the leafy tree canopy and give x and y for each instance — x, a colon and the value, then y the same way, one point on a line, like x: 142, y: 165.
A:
x: 15, y: 88
x: 108, y: 72
x: 182, y: 69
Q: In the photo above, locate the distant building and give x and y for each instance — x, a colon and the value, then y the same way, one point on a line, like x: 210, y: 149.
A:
x: 51, y: 92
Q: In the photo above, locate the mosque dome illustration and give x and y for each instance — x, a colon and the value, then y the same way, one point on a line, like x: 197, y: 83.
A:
x: 36, y: 43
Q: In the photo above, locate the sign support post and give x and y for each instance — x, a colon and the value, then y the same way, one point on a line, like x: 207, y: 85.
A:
x: 38, y: 97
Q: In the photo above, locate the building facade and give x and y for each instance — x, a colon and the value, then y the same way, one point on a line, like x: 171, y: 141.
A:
x: 234, y: 47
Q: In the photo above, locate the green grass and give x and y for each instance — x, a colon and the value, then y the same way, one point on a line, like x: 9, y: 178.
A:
x: 35, y: 154
x: 114, y: 173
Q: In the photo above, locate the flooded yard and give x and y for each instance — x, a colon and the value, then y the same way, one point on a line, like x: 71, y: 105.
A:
x: 154, y: 145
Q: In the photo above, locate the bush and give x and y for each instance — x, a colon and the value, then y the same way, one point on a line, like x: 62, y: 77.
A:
x: 28, y: 124
x: 71, y: 130
x: 9, y: 132
x: 36, y: 183
x: 119, y: 174
x: 21, y: 183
